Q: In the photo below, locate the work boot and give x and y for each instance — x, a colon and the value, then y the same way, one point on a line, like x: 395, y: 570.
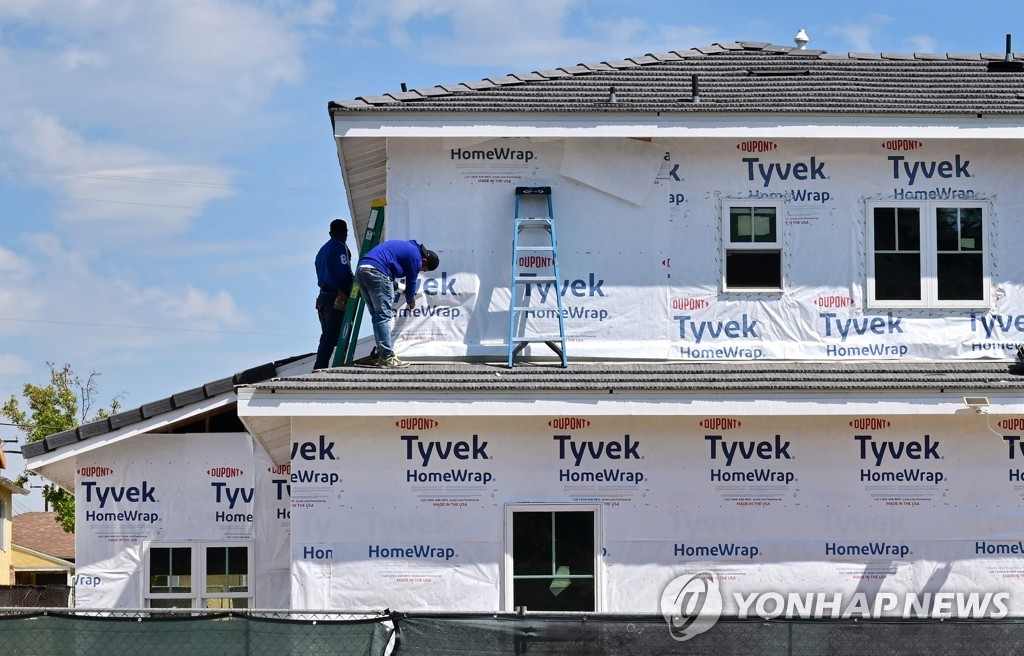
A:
x: 391, y: 362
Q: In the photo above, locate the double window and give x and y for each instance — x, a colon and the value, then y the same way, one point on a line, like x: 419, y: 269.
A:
x: 931, y: 254
x: 198, y: 575
x: 551, y: 558
x: 752, y: 246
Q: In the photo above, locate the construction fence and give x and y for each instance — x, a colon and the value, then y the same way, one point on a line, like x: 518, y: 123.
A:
x: 60, y: 632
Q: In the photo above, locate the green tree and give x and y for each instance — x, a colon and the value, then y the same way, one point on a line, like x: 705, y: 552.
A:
x: 62, y: 405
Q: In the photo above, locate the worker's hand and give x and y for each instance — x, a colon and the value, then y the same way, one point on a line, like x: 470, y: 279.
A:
x: 340, y: 300
x: 412, y: 304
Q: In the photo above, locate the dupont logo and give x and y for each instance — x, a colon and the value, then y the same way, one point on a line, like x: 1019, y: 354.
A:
x: 569, y: 423
x: 870, y: 423
x: 902, y: 144
x: 833, y: 301
x: 535, y: 262
x: 689, y: 303
x: 1014, y: 423
x: 280, y: 469
x: 416, y: 423
x: 95, y: 472
x: 756, y: 146
x: 224, y: 472
x: 720, y: 423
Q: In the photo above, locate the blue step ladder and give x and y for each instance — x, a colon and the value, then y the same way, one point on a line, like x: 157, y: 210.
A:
x: 520, y: 309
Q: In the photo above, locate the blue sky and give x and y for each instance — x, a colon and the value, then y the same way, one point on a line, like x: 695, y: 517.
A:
x: 167, y: 169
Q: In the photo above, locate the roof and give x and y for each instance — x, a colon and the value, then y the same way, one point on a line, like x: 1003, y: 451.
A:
x: 744, y: 76
x: 148, y: 411
x: 40, y: 532
x: 607, y: 377
x: 11, y: 486
x: 665, y: 389
x: 207, y: 408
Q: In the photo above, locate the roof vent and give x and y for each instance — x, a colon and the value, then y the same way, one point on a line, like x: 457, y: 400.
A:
x: 801, y: 39
x: 1008, y: 65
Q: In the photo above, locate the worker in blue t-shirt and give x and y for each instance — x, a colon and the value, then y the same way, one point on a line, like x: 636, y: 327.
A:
x: 334, y: 278
x: 377, y: 274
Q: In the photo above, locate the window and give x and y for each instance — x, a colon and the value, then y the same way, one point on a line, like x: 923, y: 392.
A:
x: 927, y: 255
x: 551, y: 558
x: 222, y: 579
x: 3, y: 525
x: 753, y: 247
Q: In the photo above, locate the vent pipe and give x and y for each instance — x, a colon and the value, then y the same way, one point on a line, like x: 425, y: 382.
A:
x: 612, y: 98
x: 695, y: 89
x: 1008, y: 64
x: 801, y: 39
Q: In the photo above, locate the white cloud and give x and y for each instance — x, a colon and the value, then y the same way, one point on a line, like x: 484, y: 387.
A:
x: 165, y: 68
x: 103, y: 185
x: 921, y: 43
x: 73, y: 58
x: 13, y: 365
x: 486, y: 32
x: 861, y: 35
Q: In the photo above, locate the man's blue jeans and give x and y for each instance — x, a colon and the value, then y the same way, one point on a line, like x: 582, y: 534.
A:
x: 377, y: 291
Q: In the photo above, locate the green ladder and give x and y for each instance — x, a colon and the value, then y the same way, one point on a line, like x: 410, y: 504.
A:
x: 518, y: 314
x: 346, y: 349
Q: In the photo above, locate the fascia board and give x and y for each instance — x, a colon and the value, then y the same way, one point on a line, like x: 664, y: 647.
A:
x: 653, y: 404
x: 666, y: 126
x: 39, y: 554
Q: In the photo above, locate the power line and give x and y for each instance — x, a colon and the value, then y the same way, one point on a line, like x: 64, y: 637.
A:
x: 136, y: 327
x: 165, y: 181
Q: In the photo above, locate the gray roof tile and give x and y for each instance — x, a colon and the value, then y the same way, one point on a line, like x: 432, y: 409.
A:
x: 854, y: 83
x: 149, y: 410
x: 835, y: 377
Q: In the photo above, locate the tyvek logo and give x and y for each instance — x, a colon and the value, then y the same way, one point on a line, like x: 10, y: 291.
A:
x: 95, y: 471
x: 224, y: 472
x: 691, y: 604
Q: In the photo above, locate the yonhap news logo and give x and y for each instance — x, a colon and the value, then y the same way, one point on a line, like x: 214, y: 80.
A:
x: 692, y: 603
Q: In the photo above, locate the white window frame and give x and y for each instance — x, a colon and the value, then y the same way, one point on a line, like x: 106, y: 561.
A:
x: 773, y: 246
x: 508, y: 600
x: 198, y: 596
x: 929, y: 255
x: 3, y: 525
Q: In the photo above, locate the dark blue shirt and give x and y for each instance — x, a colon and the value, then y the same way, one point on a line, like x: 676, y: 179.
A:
x: 334, y: 267
x: 398, y: 259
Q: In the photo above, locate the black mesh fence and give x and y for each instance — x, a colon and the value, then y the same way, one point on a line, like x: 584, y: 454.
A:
x: 77, y: 632
x: 454, y: 635
x: 210, y: 634
x: 34, y: 596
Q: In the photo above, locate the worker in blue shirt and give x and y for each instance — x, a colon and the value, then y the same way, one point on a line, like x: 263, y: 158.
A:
x: 334, y: 278
x: 377, y: 274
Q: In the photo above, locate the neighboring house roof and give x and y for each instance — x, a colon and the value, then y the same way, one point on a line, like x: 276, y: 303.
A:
x: 40, y: 532
x: 744, y: 76
x: 54, y: 457
x: 11, y: 487
x: 630, y: 388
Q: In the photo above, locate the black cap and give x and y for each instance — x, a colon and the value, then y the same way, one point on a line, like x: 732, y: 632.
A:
x: 339, y: 226
x: 430, y: 260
